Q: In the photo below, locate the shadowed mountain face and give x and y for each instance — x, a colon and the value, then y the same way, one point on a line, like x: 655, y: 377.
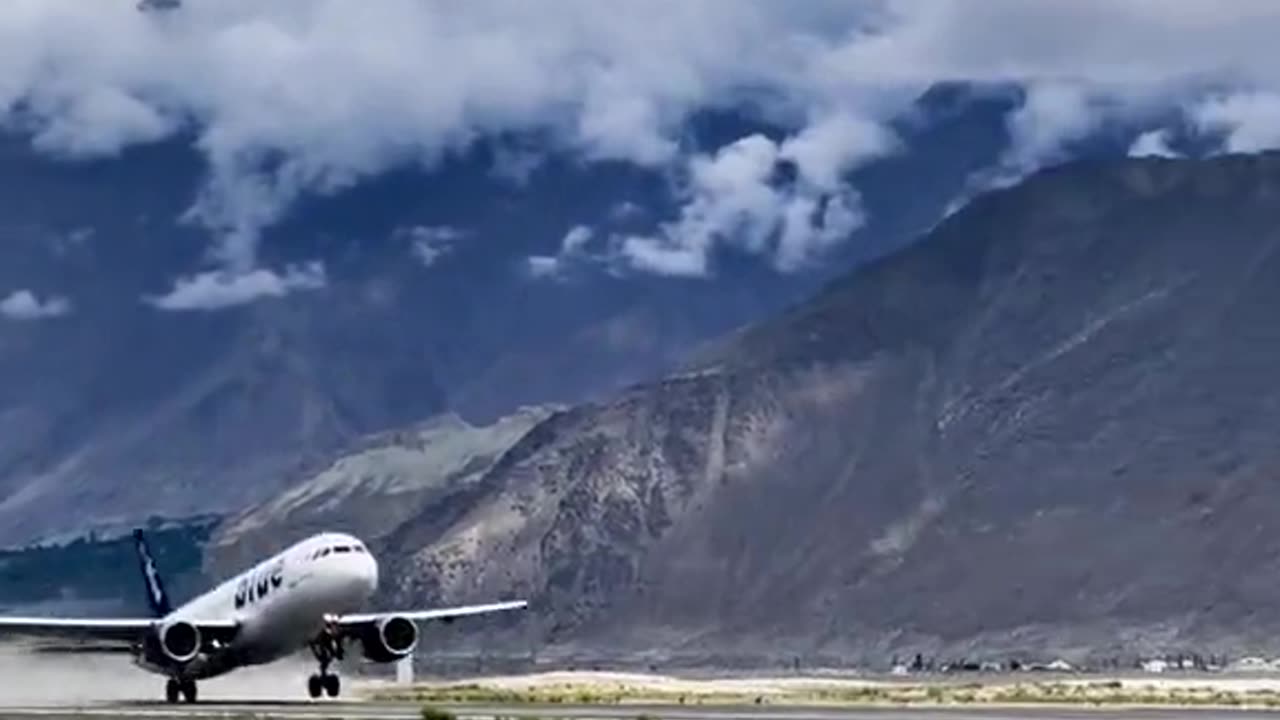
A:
x: 1047, y: 427
x: 119, y: 410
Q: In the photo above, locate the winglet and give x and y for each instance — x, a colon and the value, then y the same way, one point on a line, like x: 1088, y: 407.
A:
x: 156, y: 596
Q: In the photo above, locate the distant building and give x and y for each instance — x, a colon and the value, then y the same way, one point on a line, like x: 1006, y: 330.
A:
x: 1251, y: 664
x: 1156, y: 665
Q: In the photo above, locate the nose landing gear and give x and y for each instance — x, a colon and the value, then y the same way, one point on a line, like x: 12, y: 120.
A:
x: 184, y: 688
x: 326, y: 648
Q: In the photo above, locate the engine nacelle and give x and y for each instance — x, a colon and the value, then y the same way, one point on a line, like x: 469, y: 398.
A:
x: 390, y: 639
x: 178, y: 641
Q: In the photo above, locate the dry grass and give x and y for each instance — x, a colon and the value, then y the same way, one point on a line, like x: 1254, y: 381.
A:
x: 1006, y: 692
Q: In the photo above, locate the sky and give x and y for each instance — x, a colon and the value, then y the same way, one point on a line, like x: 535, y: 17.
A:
x: 292, y: 97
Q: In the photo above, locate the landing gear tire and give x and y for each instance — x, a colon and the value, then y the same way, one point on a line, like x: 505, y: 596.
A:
x: 184, y: 689
x: 327, y: 647
x: 318, y: 685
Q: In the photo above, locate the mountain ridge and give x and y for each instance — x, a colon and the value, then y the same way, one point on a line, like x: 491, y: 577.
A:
x: 938, y: 453
x: 371, y: 488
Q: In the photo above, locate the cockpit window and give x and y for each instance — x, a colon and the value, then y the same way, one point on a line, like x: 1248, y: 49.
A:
x: 324, y: 552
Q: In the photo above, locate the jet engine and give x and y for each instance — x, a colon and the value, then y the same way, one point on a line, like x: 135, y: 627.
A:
x: 178, y: 641
x: 389, y: 639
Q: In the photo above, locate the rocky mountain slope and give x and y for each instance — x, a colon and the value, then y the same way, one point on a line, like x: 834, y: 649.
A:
x: 375, y: 488
x: 1047, y: 428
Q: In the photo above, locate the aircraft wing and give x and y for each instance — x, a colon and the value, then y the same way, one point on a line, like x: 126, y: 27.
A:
x: 122, y: 631
x: 442, y: 614
x: 99, y: 629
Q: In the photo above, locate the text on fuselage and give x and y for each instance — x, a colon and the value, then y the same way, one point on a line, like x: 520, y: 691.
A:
x: 258, y: 584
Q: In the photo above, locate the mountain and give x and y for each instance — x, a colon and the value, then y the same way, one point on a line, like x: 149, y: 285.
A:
x: 119, y: 410
x: 1047, y: 428
x: 373, y: 489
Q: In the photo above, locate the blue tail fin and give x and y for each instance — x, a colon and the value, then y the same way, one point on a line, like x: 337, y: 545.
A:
x: 156, y: 596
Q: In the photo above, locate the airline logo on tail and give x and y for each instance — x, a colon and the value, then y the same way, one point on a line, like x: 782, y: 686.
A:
x: 156, y: 596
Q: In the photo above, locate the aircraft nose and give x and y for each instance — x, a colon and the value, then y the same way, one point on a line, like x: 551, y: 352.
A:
x: 366, y: 572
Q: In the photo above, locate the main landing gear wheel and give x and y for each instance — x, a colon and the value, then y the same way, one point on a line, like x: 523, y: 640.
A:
x: 327, y: 648
x: 184, y: 688
x: 327, y: 684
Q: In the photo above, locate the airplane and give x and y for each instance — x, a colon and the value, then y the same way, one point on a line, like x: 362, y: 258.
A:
x: 306, y: 596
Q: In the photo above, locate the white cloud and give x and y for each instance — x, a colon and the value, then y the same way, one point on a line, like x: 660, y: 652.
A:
x: 1053, y: 115
x: 430, y: 243
x: 1154, y: 143
x: 302, y: 96
x: 829, y: 147
x: 219, y: 289
x: 573, y: 246
x: 664, y: 257
x: 576, y: 239
x: 24, y: 305
x: 740, y: 198
x: 1082, y: 64
x: 732, y: 201
x: 1250, y: 120
x: 544, y: 266
x: 99, y: 122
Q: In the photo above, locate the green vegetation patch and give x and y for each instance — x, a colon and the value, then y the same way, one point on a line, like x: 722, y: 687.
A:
x: 92, y: 568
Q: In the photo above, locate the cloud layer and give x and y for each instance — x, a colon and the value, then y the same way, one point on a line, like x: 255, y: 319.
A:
x: 25, y: 305
x: 300, y: 96
x: 220, y: 289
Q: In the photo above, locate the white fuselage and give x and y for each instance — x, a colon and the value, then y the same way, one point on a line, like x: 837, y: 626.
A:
x: 281, y: 604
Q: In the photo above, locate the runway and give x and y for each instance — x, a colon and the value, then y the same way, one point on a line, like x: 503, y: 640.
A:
x: 66, y: 688
x: 387, y: 711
